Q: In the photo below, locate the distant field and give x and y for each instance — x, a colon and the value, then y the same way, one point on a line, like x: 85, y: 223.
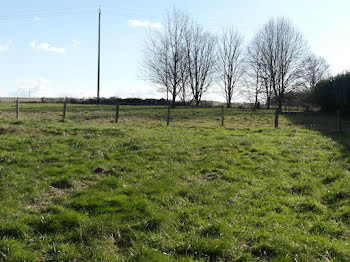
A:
x: 135, y: 115
x: 157, y: 115
x: 89, y: 189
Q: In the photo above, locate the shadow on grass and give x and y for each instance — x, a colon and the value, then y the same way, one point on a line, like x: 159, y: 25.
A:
x: 325, y: 123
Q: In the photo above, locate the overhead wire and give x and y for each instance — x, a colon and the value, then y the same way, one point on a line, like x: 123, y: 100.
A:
x: 30, y: 15
x: 34, y: 15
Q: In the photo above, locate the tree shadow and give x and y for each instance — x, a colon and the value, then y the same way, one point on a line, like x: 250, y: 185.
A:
x: 325, y: 123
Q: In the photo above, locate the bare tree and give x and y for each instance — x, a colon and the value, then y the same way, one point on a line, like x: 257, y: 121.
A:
x: 283, y: 50
x: 165, y: 53
x: 230, y: 65
x: 256, y: 77
x: 155, y: 67
x: 200, y: 50
x: 253, y: 88
x: 185, y: 93
x: 315, y: 69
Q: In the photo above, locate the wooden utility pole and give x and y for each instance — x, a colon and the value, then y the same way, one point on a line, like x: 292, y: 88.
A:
x: 99, y: 55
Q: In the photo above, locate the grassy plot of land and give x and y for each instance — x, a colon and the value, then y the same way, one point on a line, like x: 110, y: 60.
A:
x: 140, y: 115
x: 193, y: 191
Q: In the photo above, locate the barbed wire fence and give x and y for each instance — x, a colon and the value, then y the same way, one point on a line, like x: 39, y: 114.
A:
x: 214, y: 116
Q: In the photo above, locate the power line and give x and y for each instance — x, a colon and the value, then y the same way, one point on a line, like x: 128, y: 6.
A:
x: 29, y: 15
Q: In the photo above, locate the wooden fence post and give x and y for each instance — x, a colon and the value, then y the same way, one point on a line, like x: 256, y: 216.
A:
x: 303, y: 121
x: 311, y: 120
x: 17, y: 108
x: 222, y: 115
x: 64, y: 110
x: 276, y: 118
x: 339, y: 121
x: 168, y: 117
x: 117, y: 112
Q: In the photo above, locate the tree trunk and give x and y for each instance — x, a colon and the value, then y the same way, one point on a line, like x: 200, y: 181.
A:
x: 256, y: 101
x: 228, y: 104
x: 197, y: 99
x: 173, y: 103
x: 197, y: 103
x: 280, y: 105
x: 268, y: 103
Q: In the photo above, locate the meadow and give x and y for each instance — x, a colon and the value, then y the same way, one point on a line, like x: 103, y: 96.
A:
x: 89, y: 189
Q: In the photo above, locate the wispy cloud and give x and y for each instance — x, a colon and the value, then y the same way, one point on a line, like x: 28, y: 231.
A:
x: 36, y: 87
x: 46, y: 47
x: 139, y: 23
x: 5, y: 46
x: 76, y: 43
x: 36, y: 19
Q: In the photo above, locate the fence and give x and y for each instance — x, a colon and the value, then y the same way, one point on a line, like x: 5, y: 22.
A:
x: 179, y: 116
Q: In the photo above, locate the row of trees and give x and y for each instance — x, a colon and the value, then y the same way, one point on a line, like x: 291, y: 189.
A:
x: 333, y: 93
x: 184, y: 61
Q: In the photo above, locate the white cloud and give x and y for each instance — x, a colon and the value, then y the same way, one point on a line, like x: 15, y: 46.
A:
x: 76, y: 43
x: 5, y: 46
x: 139, y: 23
x: 36, y: 19
x: 46, y: 47
x: 36, y: 88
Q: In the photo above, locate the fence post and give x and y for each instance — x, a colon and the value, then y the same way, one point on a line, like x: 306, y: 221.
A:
x: 168, y: 117
x: 306, y: 120
x: 117, y: 112
x: 276, y: 118
x: 17, y: 108
x: 222, y: 115
x: 64, y: 110
x: 311, y: 126
x: 339, y: 121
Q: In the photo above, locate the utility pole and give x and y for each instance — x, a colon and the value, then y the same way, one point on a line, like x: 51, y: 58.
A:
x: 98, y: 56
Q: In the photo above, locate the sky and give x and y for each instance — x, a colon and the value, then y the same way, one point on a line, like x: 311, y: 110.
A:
x: 49, y: 48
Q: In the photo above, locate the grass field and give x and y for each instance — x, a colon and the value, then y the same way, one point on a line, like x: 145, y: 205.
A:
x: 92, y: 190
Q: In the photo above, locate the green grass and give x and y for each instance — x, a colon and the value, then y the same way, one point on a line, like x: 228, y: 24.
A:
x: 193, y: 191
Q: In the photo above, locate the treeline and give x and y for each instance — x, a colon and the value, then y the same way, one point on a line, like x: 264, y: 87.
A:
x: 185, y: 61
x: 113, y: 101
x: 104, y: 101
x: 333, y: 93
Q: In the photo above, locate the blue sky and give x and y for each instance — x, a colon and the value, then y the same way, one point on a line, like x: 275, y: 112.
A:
x: 50, y: 47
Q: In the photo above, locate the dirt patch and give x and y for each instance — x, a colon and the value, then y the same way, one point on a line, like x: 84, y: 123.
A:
x: 8, y: 130
x: 37, y: 207
x: 102, y: 170
x: 209, y: 177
